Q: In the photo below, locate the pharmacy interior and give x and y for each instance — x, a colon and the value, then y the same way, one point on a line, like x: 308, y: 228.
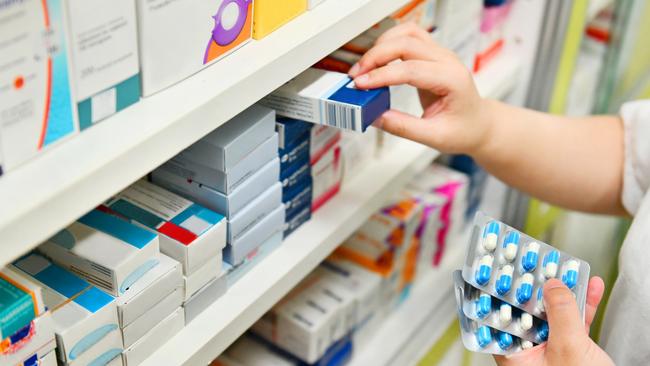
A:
x: 206, y: 183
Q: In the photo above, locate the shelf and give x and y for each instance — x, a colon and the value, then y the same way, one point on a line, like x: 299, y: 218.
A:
x: 46, y: 194
x: 499, y: 77
x: 257, y: 291
x: 416, y: 324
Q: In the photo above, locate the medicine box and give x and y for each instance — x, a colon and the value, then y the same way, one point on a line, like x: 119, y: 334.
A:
x: 254, y: 212
x: 248, y: 350
x: 147, y: 321
x: 146, y: 292
x: 231, y: 142
x: 205, y: 297
x: 21, y: 301
x: 234, y: 273
x: 37, y: 107
x: 219, y: 180
x: 179, y: 38
x: 268, y: 16
x: 227, y: 205
x: 322, y: 139
x: 236, y: 252
x: 295, y: 173
x: 297, y: 197
x: 154, y: 339
x: 296, y: 151
x: 289, y: 130
x: 209, y: 271
x: 299, y: 217
x: 327, y: 175
x: 107, y: 251
x: 83, y: 315
x: 329, y: 98
x: 32, y: 342
x: 188, y: 232
x: 102, y: 35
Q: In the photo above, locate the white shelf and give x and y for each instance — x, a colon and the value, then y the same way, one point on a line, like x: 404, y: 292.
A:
x: 416, y: 324
x: 56, y: 188
x: 499, y: 77
x: 224, y: 321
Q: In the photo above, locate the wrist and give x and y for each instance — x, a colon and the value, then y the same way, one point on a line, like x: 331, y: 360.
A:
x: 487, y: 121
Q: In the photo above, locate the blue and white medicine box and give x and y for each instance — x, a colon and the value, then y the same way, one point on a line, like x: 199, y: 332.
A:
x: 296, y: 151
x: 189, y: 232
x: 329, y: 98
x: 295, y: 175
x: 299, y: 217
x: 296, y: 197
x: 290, y: 130
x: 85, y: 318
x: 107, y: 251
x: 247, y: 243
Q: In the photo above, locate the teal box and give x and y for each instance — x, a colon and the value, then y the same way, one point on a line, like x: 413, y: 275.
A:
x: 16, y: 309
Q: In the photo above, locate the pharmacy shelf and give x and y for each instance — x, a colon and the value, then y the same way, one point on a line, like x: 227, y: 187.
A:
x: 417, y: 323
x: 54, y: 189
x: 258, y: 290
x: 500, y: 76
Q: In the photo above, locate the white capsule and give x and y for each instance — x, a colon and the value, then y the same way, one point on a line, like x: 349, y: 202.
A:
x: 526, y: 344
x: 505, y: 314
x: 526, y: 321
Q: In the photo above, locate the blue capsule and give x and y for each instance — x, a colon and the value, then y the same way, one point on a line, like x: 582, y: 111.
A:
x: 483, y: 306
x: 551, y: 262
x: 570, y: 273
x: 542, y: 331
x: 484, y: 336
x: 540, y: 299
x: 504, y: 340
x: 484, y: 271
x: 525, y: 290
x: 491, y: 236
x: 504, y: 282
x: 529, y: 259
x: 510, y: 245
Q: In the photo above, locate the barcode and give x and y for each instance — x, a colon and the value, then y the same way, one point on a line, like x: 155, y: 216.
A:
x: 341, y: 116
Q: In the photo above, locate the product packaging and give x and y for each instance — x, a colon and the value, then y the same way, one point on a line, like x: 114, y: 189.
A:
x: 188, y: 232
x: 491, y: 39
x: 483, y: 339
x: 297, y: 196
x: 249, y: 351
x: 30, y: 343
x: 322, y: 140
x: 290, y: 130
x: 47, y: 360
x: 21, y: 301
x: 268, y: 16
x: 234, y: 273
x: 458, y: 27
x: 254, y: 212
x: 205, y: 297
x: 296, y: 220
x: 329, y: 98
x: 246, y: 243
x: 37, y: 108
x: 295, y: 153
x: 204, y: 275
x: 147, y: 321
x: 326, y: 177
x: 105, y: 250
x: 154, y: 339
x: 179, y: 38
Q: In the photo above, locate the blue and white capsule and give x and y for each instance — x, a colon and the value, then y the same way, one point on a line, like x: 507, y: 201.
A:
x: 551, y: 263
x: 484, y: 270
x: 525, y: 321
x: 510, y: 245
x: 504, y: 281
x: 484, y: 336
x: 542, y: 331
x: 505, y: 314
x: 491, y: 236
x: 483, y: 305
x: 525, y: 289
x: 526, y: 344
x: 530, y: 257
x: 504, y: 340
x: 570, y: 273
x: 540, y: 300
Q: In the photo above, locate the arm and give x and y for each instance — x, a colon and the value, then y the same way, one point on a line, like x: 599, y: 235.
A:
x: 572, y: 162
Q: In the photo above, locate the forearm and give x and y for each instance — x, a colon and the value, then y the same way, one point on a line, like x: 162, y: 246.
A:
x: 576, y: 163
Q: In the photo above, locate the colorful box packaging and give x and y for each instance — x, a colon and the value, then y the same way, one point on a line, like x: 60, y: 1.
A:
x: 322, y: 139
x: 188, y: 232
x: 268, y: 16
x: 179, y: 38
x: 30, y: 343
x: 21, y: 301
x: 326, y: 177
x: 290, y: 130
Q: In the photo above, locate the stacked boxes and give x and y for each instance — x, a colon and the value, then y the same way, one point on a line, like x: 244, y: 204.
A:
x: 326, y: 163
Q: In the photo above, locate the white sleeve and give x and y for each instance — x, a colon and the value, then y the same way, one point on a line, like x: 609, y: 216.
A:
x: 636, y: 178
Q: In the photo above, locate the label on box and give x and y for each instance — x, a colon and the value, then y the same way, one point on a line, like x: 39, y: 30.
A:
x: 294, y: 222
x: 295, y: 174
x: 297, y: 151
x: 297, y: 197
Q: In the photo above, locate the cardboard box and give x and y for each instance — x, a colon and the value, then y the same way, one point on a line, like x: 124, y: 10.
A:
x: 234, y: 273
x: 32, y: 342
x: 297, y: 197
x: 231, y: 142
x: 21, y: 301
x: 48, y: 360
x: 268, y: 16
x: 296, y: 174
x: 149, y: 290
x: 289, y: 130
x: 296, y: 151
x: 200, y: 278
x: 147, y: 321
x: 154, y: 339
x: 329, y: 98
x: 326, y: 177
x: 104, y: 352
x: 249, y: 351
x: 205, y: 297
x: 188, y: 36
x: 219, y: 180
x: 37, y: 107
x: 102, y: 35
x: 253, y: 213
x: 227, y: 205
x: 236, y: 252
x: 301, y: 216
x: 85, y: 318
x: 188, y: 232
x: 105, y: 250
x: 322, y: 140
x: 356, y: 150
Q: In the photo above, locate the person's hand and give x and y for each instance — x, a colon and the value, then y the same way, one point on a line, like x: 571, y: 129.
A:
x: 455, y: 116
x: 568, y: 342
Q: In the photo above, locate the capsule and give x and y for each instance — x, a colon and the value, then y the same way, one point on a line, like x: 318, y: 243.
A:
x: 491, y: 236
x: 540, y: 299
x: 510, y: 245
x: 484, y: 270
x: 570, y: 273
x: 526, y: 344
x: 504, y: 282
x: 551, y: 261
x: 504, y: 340
x: 529, y: 259
x: 542, y: 331
x: 525, y: 290
x: 505, y: 314
x: 483, y: 306
x: 484, y: 336
x: 526, y: 321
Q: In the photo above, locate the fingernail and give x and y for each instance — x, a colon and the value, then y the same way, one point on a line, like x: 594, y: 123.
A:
x: 553, y: 283
x: 379, y: 122
x: 362, y: 79
x: 354, y: 70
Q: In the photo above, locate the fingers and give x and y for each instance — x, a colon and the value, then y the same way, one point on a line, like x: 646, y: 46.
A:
x: 595, y: 292
x: 564, y: 320
x: 420, y: 74
x: 406, y: 48
x: 409, y: 29
x: 407, y: 126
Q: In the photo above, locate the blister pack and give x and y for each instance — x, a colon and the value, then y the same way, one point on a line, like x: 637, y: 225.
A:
x: 513, y: 267
x: 487, y: 310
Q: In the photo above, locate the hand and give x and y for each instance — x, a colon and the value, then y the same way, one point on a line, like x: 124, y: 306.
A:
x: 454, y: 118
x: 568, y: 342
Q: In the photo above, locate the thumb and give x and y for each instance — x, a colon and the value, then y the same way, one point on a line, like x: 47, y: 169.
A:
x: 564, y: 320
x: 406, y: 126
